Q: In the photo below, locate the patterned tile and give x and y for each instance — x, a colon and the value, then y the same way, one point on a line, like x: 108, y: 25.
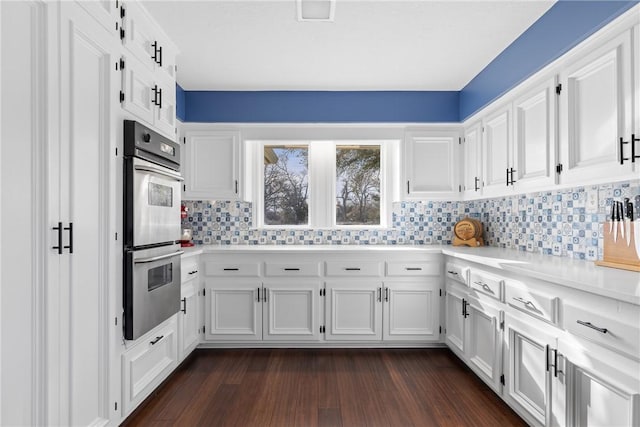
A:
x: 566, y: 222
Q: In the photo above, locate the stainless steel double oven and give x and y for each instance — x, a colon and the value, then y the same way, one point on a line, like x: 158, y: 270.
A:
x: 151, y: 229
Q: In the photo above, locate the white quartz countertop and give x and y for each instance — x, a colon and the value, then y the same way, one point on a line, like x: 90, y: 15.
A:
x: 578, y: 274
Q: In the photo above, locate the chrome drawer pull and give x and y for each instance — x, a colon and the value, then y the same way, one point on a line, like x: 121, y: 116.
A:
x: 413, y: 268
x: 231, y: 269
x: 291, y: 269
x: 352, y: 268
x: 486, y: 287
x: 527, y: 304
x: 589, y: 325
x: 452, y: 272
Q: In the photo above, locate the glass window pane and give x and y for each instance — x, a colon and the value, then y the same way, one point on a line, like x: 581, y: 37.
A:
x: 358, y: 185
x: 286, y: 185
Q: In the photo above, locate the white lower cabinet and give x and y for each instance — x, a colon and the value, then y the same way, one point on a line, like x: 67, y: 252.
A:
x: 354, y: 310
x: 148, y: 362
x: 411, y: 310
x: 595, y: 386
x: 473, y: 332
x: 233, y: 310
x: 189, y: 319
x: 291, y: 310
x: 528, y: 367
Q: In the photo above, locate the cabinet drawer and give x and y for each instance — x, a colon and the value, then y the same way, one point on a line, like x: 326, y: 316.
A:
x: 354, y: 268
x: 485, y: 283
x: 616, y: 325
x: 148, y: 363
x: 532, y: 302
x: 456, y: 272
x: 416, y: 268
x: 240, y: 269
x: 189, y: 269
x: 292, y: 269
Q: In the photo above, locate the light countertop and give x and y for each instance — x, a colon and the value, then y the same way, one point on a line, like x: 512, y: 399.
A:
x: 578, y: 274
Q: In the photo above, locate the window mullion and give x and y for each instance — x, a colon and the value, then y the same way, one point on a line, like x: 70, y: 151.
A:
x: 321, y: 179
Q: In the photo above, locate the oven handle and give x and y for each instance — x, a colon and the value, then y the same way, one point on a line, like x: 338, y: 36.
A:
x: 157, y: 258
x: 158, y: 171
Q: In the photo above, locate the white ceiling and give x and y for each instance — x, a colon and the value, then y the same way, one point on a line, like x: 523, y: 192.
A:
x: 371, y: 45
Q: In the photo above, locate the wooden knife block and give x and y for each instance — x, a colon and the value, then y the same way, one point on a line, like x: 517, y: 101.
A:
x: 618, y: 254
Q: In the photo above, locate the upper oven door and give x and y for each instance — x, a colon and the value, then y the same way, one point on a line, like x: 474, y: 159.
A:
x: 156, y: 203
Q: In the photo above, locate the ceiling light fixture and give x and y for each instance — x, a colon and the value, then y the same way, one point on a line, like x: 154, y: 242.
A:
x: 316, y: 10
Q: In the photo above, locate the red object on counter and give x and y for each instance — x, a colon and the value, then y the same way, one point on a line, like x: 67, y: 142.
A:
x: 183, y: 211
x: 186, y: 244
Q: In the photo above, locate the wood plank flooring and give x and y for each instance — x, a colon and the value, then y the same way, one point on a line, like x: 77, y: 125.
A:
x: 323, y: 387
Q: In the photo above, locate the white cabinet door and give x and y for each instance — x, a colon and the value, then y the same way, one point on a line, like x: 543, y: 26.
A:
x: 534, y: 142
x: 165, y: 112
x: 148, y: 363
x: 455, y: 324
x: 188, y: 317
x: 139, y: 34
x: 292, y: 310
x: 138, y: 83
x: 484, y: 341
x: 594, y: 386
x: 411, y: 310
x: 527, y: 386
x: 234, y: 310
x: 211, y: 165
x: 595, y: 112
x: 80, y: 312
x: 472, y: 147
x: 353, y: 310
x: 496, y: 151
x: 430, y: 164
x: 105, y: 12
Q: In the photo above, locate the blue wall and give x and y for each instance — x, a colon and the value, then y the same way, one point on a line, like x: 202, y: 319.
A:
x: 565, y: 24
x: 318, y: 106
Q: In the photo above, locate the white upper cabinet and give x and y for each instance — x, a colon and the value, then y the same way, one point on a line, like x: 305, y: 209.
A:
x: 148, y: 71
x: 430, y: 164
x: 496, y: 151
x: 472, y: 149
x: 534, y: 142
x: 211, y: 165
x: 596, y: 113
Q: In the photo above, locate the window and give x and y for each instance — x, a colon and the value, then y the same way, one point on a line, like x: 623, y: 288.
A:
x: 358, y: 185
x: 286, y: 185
x: 323, y: 184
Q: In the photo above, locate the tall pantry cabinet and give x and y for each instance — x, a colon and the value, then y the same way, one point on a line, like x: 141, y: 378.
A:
x: 59, y: 105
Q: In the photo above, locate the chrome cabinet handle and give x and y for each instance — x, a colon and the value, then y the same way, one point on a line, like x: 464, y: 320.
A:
x: 70, y: 246
x: 592, y: 326
x: 484, y: 286
x: 158, y: 171
x: 265, y: 293
x: 386, y: 294
x: 154, y: 342
x: 157, y: 258
x: 528, y: 304
x: 184, y: 307
x: 379, y: 294
x: 258, y: 294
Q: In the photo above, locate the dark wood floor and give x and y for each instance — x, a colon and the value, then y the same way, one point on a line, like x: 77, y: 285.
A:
x: 324, y: 387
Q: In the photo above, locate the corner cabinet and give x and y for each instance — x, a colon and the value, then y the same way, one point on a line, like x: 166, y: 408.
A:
x: 211, y: 166
x: 430, y: 165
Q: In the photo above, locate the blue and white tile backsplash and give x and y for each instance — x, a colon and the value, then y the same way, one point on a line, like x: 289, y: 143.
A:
x: 562, y: 222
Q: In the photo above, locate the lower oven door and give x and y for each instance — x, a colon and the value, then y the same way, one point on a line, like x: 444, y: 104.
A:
x: 153, y: 215
x: 151, y: 288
